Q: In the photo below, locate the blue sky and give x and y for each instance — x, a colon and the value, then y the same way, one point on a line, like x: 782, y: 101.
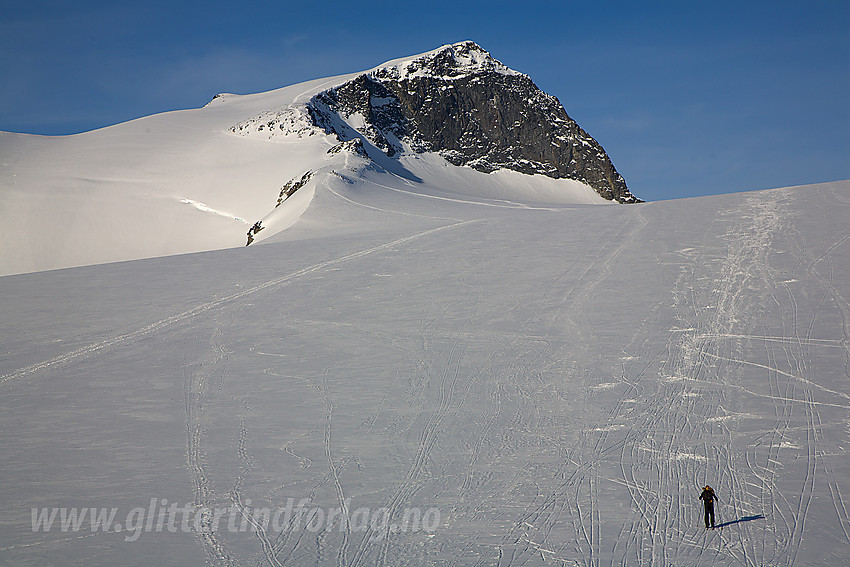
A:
x: 688, y: 98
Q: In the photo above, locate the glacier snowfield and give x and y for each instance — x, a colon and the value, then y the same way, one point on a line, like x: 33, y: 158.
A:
x: 544, y: 383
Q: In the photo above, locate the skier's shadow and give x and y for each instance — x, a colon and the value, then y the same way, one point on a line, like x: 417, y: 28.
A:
x: 739, y: 520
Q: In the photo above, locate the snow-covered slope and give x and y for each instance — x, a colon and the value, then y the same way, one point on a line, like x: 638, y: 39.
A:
x: 199, y: 179
x: 533, y: 385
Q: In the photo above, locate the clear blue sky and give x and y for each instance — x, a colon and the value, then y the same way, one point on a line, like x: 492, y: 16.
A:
x: 688, y: 98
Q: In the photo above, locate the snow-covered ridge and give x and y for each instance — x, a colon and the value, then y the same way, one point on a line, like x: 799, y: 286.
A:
x: 447, y: 63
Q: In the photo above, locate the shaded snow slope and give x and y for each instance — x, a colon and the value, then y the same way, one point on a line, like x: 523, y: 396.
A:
x: 199, y: 179
x: 557, y: 381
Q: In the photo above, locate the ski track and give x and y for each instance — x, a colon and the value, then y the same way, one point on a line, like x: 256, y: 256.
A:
x: 185, y: 316
x: 197, y: 377
x: 661, y: 470
x: 439, y: 406
x: 530, y: 534
x: 372, y: 547
x: 328, y: 188
x: 201, y: 379
x: 691, y: 409
x: 686, y: 418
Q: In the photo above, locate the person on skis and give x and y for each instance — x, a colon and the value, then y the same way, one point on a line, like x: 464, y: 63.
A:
x: 708, y: 498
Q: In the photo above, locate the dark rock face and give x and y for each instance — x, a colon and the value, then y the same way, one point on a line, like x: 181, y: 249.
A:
x: 474, y: 111
x: 385, y: 122
x: 292, y: 186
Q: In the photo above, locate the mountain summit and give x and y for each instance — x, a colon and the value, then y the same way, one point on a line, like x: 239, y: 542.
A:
x: 468, y: 107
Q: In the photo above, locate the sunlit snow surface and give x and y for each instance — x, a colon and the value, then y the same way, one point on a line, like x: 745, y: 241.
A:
x: 120, y: 193
x: 558, y: 382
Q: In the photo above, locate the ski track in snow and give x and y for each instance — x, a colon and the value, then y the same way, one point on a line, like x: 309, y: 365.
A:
x: 677, y: 414
x: 660, y: 483
x: 95, y: 348
x: 209, y: 375
x: 577, y: 495
x: 681, y: 427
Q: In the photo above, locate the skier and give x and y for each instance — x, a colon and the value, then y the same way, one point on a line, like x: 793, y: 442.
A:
x: 708, y: 498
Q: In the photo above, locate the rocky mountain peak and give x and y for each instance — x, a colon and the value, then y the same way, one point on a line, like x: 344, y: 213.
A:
x: 460, y: 102
x: 448, y: 62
